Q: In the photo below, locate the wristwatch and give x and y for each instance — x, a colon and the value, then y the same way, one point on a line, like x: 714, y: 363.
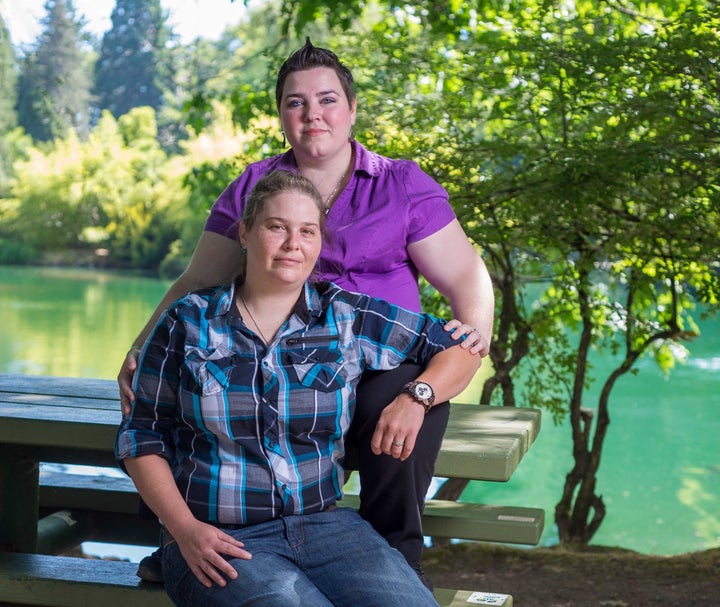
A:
x: 421, y: 392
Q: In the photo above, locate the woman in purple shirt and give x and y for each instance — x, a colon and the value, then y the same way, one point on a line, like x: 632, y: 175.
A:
x: 389, y: 222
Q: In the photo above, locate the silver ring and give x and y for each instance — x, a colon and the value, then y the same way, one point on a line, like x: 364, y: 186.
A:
x: 397, y: 443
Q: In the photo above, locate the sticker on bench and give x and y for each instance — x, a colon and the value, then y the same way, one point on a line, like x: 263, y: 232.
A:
x: 487, y: 598
x: 516, y: 519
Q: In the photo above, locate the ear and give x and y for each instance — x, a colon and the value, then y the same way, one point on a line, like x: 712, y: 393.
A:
x: 242, y: 235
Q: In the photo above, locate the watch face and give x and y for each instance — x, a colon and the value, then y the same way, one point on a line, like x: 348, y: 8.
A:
x: 423, y: 391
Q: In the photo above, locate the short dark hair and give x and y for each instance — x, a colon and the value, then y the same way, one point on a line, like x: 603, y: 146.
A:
x: 309, y: 57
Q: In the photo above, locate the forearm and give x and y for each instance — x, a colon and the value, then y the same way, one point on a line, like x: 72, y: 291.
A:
x: 450, y: 372
x: 202, y: 545
x: 154, y: 481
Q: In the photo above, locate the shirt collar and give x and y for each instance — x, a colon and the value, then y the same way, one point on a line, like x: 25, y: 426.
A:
x: 365, y: 160
x: 309, y: 305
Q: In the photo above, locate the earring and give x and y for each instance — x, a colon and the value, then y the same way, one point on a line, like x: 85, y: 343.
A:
x: 352, y: 134
x: 243, y: 249
x: 284, y: 141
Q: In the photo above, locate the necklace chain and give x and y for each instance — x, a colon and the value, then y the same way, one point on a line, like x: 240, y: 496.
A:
x: 331, y: 197
x: 257, y: 326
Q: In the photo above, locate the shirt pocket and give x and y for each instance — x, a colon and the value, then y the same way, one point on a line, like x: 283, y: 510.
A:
x: 316, y: 367
x: 208, y: 371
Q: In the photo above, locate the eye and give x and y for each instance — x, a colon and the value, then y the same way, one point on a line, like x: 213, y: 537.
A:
x: 292, y: 103
x: 308, y: 231
x: 328, y: 100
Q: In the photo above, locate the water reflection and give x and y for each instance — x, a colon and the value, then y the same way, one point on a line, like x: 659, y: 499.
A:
x: 71, y: 323
x: 660, y: 473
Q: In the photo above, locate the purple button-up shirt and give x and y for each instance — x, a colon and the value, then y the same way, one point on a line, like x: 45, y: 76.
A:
x: 387, y: 205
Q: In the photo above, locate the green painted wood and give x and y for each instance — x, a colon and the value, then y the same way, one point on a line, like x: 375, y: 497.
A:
x: 58, y: 581
x: 63, y: 416
x: 442, y: 518
x: 75, y: 420
x: 83, y: 491
x: 63, y: 530
x: 77, y: 388
x: 18, y: 499
x: 479, y: 522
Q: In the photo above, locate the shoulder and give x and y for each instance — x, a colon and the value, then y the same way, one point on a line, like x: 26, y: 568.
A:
x: 229, y: 205
x: 399, y: 174
x: 332, y: 300
x: 376, y: 165
x: 328, y: 294
x: 211, y: 301
x: 255, y: 170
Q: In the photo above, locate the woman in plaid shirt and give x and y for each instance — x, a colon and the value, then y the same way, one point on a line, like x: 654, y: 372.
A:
x: 244, y: 394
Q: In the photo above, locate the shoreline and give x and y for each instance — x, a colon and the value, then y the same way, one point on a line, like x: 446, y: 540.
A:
x: 593, y: 576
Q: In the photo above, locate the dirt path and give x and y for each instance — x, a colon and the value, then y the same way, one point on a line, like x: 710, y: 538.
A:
x: 594, y: 577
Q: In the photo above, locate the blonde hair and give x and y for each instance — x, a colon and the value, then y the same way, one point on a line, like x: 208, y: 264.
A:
x: 275, y: 183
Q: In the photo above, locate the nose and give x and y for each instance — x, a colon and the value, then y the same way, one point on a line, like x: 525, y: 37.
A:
x: 312, y: 111
x: 292, y: 240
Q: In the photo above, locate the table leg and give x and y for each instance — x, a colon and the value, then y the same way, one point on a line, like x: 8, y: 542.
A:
x: 19, y: 499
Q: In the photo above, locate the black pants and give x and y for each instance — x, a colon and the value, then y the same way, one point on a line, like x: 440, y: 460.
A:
x: 392, y: 493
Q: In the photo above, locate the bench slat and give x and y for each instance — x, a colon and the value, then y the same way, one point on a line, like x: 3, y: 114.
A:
x: 58, y: 581
x: 442, y: 518
x: 61, y: 581
x: 479, y: 522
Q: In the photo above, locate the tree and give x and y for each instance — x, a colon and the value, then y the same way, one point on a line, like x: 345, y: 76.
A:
x: 116, y: 191
x: 54, y: 89
x: 8, y: 98
x: 579, y: 145
x: 128, y: 73
x: 589, y: 161
x: 8, y: 80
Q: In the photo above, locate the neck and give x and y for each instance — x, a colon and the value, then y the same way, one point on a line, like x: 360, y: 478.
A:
x: 263, y: 312
x: 329, y: 176
x: 324, y: 165
x: 261, y: 295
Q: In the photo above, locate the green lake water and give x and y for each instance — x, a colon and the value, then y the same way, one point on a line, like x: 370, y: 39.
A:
x: 660, y: 471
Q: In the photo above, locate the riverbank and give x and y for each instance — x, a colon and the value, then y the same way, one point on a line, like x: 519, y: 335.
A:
x: 590, y: 577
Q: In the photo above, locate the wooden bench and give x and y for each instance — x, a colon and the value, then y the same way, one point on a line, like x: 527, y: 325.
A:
x: 59, y: 581
x: 74, y: 421
x: 115, y: 503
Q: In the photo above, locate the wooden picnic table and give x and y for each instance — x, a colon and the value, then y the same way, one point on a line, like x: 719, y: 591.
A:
x: 74, y: 421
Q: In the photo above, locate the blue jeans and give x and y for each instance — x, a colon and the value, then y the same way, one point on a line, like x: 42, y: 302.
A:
x: 331, y: 558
